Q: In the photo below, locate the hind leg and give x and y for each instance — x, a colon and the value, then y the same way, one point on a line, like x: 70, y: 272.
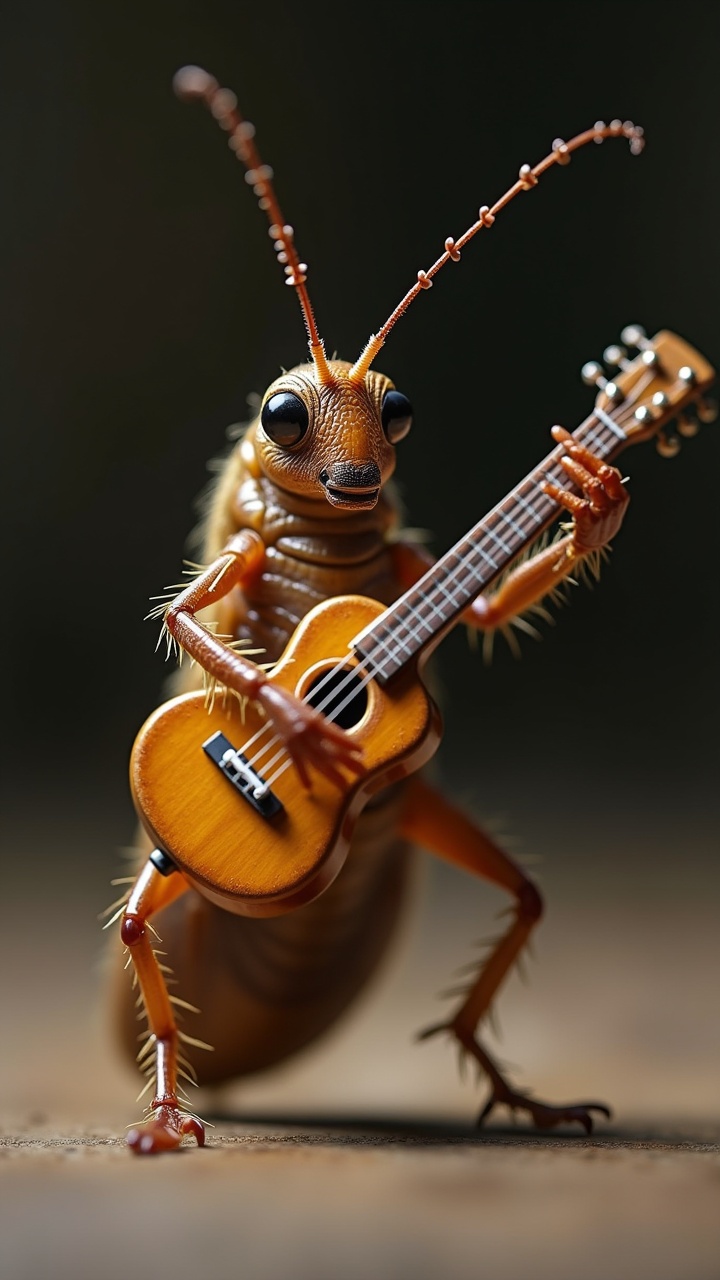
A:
x: 435, y: 824
x: 170, y: 1122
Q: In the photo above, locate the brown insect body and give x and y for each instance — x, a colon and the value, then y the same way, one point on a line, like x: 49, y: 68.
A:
x: 282, y: 981
x: 301, y: 515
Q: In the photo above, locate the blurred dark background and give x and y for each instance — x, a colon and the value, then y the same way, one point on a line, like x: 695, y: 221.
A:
x: 142, y: 304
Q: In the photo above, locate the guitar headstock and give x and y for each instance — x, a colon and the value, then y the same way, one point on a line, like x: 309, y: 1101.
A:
x: 654, y: 387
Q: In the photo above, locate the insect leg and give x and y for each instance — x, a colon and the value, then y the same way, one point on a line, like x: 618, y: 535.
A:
x: 438, y: 826
x: 305, y: 734
x: 151, y: 892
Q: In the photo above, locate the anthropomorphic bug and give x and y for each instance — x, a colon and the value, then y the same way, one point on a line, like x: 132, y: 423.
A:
x: 272, y: 928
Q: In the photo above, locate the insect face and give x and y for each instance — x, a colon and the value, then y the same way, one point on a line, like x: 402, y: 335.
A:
x: 327, y: 430
x: 333, y: 439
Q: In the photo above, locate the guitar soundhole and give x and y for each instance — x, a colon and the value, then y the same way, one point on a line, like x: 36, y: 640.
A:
x: 340, y: 695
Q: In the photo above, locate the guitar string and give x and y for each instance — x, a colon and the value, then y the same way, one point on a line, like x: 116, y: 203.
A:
x: 406, y: 624
x: 372, y: 671
x: 376, y: 666
x: 461, y: 583
x: 589, y: 435
x: 590, y: 428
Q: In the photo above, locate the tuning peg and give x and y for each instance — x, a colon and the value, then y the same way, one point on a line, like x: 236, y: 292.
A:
x: 707, y: 410
x: 633, y: 335
x: 687, y: 426
x: 616, y: 355
x: 667, y: 446
x: 593, y: 375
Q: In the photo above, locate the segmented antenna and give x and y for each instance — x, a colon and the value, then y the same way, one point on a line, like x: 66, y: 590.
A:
x: 527, y: 179
x: 193, y: 84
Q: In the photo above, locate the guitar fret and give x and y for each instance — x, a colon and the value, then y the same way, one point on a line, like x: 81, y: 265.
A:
x: 516, y: 528
x: 486, y: 556
x: 440, y: 586
x: 529, y: 508
x: 403, y: 645
x: 467, y: 568
x: 611, y: 426
x: 509, y: 551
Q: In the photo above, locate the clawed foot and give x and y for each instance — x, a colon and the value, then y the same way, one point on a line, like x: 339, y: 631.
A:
x: 165, y: 1131
x: 597, y: 516
x: 543, y: 1115
x: 309, y: 738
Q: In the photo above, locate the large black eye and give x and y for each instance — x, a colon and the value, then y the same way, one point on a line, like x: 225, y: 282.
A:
x: 284, y: 419
x: 396, y: 415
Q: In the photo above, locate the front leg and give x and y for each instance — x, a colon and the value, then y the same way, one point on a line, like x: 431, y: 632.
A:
x: 429, y: 820
x: 597, y: 516
x: 308, y: 737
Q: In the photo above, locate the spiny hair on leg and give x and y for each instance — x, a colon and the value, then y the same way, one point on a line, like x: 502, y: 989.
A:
x: 183, y: 1004
x: 214, y: 688
x: 187, y: 1071
x: 146, y: 1060
x: 187, y: 1065
x: 172, y: 590
x: 590, y: 565
x: 147, y: 1048
x: 197, y: 1044
x: 588, y: 568
x: 166, y: 599
x: 116, y: 908
x: 147, y: 1086
x: 473, y: 968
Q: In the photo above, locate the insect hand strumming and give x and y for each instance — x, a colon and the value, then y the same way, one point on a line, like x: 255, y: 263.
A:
x: 281, y: 803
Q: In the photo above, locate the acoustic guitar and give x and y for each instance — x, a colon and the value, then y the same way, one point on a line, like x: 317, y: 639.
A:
x: 214, y: 786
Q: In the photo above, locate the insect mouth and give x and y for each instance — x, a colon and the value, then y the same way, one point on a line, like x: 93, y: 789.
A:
x: 352, y: 484
x: 360, y: 501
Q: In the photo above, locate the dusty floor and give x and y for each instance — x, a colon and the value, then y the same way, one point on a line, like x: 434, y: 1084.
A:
x: 361, y: 1159
x: 326, y: 1202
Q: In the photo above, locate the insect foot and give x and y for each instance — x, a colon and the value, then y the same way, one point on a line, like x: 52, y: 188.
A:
x: 598, y: 514
x: 309, y: 738
x: 166, y: 1130
x: 543, y: 1115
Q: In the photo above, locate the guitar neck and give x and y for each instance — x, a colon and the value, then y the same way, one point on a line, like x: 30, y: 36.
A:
x: 420, y: 618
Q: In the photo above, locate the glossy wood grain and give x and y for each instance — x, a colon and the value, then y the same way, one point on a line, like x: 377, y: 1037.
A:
x: 237, y: 858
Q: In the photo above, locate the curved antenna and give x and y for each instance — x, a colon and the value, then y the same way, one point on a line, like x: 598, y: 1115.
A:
x: 527, y: 179
x: 192, y: 84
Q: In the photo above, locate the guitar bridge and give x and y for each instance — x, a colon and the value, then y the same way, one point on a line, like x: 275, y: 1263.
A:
x: 241, y: 775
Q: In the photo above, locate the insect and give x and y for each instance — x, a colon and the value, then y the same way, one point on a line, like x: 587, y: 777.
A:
x: 271, y: 933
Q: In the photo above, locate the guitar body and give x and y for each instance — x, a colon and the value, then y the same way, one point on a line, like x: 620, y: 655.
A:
x: 261, y: 864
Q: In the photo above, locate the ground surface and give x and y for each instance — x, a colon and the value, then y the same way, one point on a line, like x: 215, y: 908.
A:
x: 321, y: 1202
x: 360, y: 1159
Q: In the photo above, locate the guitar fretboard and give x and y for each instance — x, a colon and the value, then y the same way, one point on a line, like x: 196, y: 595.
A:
x: 434, y: 603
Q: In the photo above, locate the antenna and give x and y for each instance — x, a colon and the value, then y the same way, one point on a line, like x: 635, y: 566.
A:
x: 192, y: 84
x: 527, y: 179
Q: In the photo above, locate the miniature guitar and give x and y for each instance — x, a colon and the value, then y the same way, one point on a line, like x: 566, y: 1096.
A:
x: 214, y: 787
